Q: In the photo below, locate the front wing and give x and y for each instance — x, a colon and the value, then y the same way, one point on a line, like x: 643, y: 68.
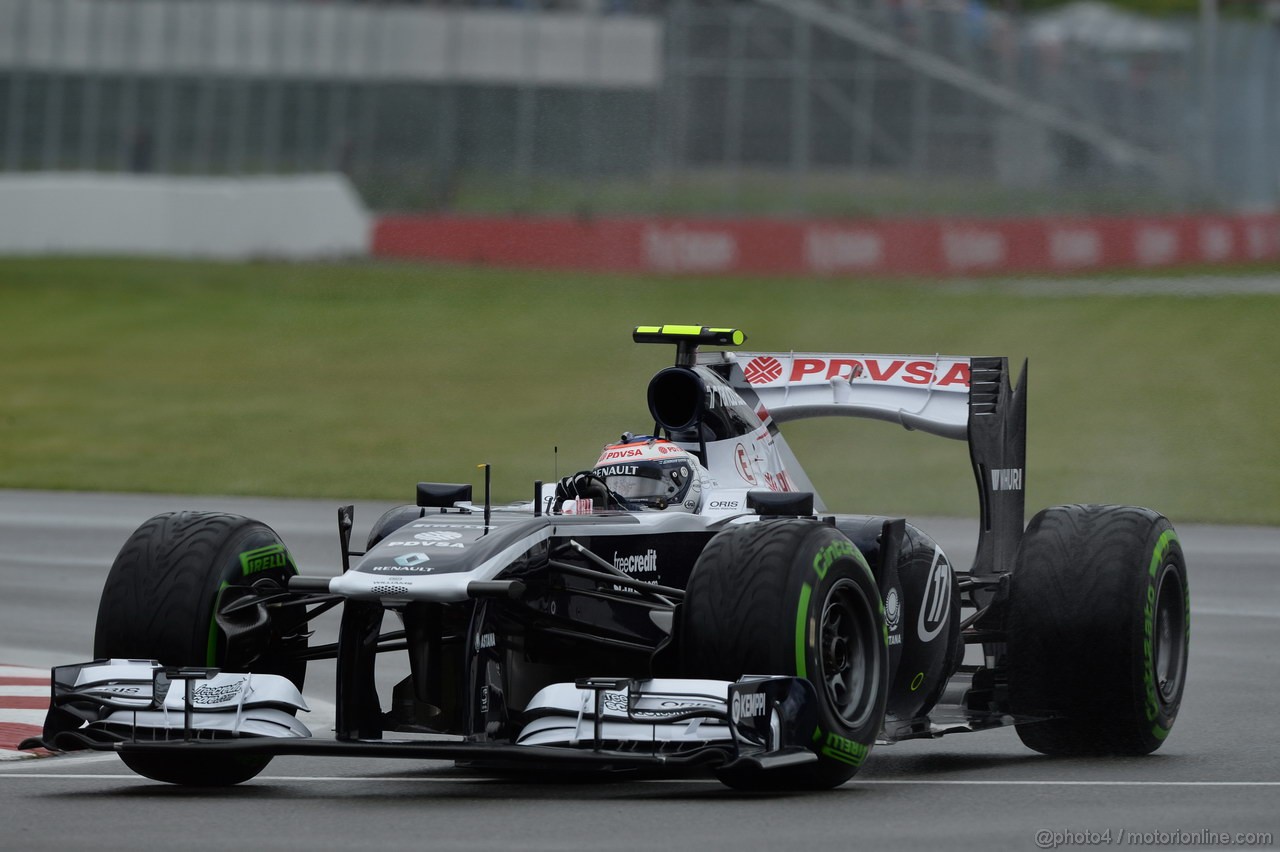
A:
x: 140, y: 707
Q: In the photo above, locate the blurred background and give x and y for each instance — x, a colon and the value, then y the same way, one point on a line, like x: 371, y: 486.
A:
x: 725, y: 107
x: 819, y: 171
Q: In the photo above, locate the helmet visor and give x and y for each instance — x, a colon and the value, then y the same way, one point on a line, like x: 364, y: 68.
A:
x: 648, y: 483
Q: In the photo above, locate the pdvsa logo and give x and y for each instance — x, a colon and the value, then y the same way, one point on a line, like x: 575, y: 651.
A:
x: 762, y: 370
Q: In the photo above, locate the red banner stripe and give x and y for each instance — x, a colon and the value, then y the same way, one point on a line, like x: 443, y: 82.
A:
x: 833, y: 246
x: 23, y: 702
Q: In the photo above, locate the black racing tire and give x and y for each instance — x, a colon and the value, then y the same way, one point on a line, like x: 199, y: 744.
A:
x: 1099, y: 624
x: 793, y: 597
x: 159, y: 602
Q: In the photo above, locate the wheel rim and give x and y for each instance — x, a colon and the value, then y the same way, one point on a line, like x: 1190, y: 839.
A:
x: 848, y: 660
x: 1170, y: 636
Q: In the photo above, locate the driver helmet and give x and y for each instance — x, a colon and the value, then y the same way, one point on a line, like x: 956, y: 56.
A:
x: 648, y: 472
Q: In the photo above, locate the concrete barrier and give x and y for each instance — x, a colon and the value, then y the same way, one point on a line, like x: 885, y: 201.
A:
x: 308, y: 216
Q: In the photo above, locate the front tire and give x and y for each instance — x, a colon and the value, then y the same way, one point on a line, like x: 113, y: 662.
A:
x: 159, y: 603
x: 1098, y: 630
x: 793, y: 597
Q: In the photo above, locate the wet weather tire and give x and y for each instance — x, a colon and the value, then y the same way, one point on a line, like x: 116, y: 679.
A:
x: 1099, y: 623
x: 793, y: 597
x: 159, y: 603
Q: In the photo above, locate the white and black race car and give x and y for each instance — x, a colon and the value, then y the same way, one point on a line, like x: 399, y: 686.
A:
x: 688, y: 601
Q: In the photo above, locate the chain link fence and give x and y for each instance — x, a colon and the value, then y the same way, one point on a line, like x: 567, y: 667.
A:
x: 793, y: 107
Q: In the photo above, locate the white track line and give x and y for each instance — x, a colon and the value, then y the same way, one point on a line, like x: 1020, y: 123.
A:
x: 1235, y: 613
x: 61, y: 760
x: 990, y: 783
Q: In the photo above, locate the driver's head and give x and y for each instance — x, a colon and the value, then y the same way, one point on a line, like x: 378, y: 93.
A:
x: 651, y: 473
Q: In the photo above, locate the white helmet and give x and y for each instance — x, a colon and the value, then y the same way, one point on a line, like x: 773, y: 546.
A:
x: 649, y: 472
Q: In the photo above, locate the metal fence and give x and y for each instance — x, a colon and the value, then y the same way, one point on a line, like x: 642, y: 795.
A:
x: 809, y: 107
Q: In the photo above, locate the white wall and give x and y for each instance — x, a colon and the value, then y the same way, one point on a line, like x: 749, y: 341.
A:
x: 309, y: 216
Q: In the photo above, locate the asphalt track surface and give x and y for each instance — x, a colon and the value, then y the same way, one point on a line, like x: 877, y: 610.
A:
x: 1218, y: 773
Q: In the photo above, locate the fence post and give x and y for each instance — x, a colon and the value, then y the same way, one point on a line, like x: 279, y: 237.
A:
x: 1208, y: 95
x: 736, y: 85
x: 801, y: 143
x: 527, y: 105
x: 590, y: 124
x: 920, y: 95
x: 367, y: 136
x: 865, y: 98
x: 51, y: 151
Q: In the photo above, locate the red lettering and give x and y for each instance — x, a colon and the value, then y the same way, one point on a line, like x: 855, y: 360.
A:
x: 911, y: 372
x: 837, y: 368
x: 805, y: 367
x: 619, y: 454
x: 877, y: 375
x: 957, y: 375
x: 919, y: 373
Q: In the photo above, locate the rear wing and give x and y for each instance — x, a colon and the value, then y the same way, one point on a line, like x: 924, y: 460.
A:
x: 930, y: 394
x: 964, y: 398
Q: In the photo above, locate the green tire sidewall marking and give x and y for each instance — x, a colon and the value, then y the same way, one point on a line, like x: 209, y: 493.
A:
x: 212, y: 652
x: 822, y: 561
x: 830, y: 745
x: 841, y: 748
x: 802, y: 619
x: 1186, y: 610
x: 1151, y: 706
x: 265, y: 559
x: 829, y: 553
x: 1157, y: 555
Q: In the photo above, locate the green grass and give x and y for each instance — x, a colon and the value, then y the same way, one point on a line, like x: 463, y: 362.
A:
x: 357, y: 380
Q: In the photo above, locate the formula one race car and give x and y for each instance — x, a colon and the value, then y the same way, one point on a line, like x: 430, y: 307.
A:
x: 687, y: 601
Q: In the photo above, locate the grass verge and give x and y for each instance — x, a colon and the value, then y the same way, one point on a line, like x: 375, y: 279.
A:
x: 357, y: 380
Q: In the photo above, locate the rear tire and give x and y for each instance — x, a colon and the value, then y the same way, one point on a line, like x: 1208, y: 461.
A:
x: 793, y: 597
x: 1098, y: 630
x: 159, y: 603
